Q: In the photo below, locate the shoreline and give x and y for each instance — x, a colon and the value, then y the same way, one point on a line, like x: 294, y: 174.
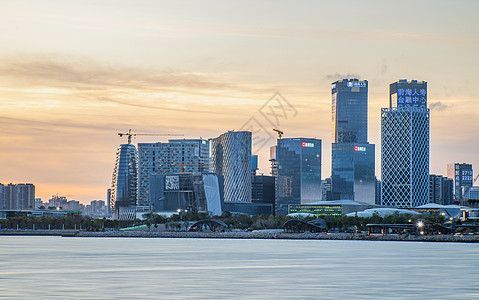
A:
x: 246, y: 235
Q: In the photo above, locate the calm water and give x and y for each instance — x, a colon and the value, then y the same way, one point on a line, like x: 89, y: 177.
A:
x: 120, y: 268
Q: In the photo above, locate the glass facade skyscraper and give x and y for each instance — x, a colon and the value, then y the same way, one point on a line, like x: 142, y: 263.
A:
x: 125, y: 177
x: 298, y: 178
x: 231, y: 158
x: 349, y: 111
x: 463, y: 178
x: 405, y: 146
x: 176, y: 156
x: 353, y: 158
x: 353, y: 177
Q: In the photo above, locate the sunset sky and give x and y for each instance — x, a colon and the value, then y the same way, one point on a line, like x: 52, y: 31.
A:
x: 75, y: 73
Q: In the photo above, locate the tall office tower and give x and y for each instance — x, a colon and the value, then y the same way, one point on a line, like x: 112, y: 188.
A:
x: 274, y: 162
x: 326, y: 189
x: 2, y: 196
x: 108, y: 201
x: 378, y: 192
x: 263, y: 190
x: 17, y: 196
x: 405, y: 145
x: 350, y: 111
x: 462, y: 175
x: 125, y: 177
x: 231, y: 158
x: 353, y: 158
x: 440, y: 190
x: 299, y: 172
x: 176, y: 156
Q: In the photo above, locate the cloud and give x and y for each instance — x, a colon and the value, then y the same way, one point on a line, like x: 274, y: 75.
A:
x: 63, y: 71
x: 41, y: 77
x: 438, y: 106
x: 338, y: 76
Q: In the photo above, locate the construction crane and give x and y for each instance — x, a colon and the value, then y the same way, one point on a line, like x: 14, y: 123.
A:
x: 130, y: 134
x: 280, y: 133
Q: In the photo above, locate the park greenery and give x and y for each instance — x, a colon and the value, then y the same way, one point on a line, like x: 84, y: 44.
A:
x: 181, y: 221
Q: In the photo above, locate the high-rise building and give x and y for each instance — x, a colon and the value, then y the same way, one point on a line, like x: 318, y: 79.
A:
x: 108, y: 201
x: 298, y: 179
x: 97, y: 209
x: 17, y: 196
x: 326, y: 189
x: 2, y: 196
x: 231, y: 158
x: 274, y: 162
x: 378, y: 192
x: 194, y: 192
x: 349, y: 111
x: 462, y: 175
x: 472, y: 194
x: 263, y: 188
x: 405, y: 146
x: 176, y: 156
x: 440, y: 190
x: 125, y: 177
x: 38, y: 203
x: 353, y: 158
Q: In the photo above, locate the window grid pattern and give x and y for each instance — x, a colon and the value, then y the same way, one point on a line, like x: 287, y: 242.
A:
x: 404, y: 157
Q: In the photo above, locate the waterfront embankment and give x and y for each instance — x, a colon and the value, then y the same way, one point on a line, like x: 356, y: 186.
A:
x: 249, y: 235
x: 284, y: 235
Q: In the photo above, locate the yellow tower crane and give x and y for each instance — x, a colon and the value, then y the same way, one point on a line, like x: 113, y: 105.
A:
x: 129, y: 134
x: 280, y: 133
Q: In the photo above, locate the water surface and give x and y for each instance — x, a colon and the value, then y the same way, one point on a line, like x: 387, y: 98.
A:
x: 160, y: 268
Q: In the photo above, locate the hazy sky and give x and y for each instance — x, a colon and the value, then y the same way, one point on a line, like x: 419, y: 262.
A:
x: 75, y: 73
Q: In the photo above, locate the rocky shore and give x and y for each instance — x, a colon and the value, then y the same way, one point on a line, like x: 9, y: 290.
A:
x: 283, y: 235
x: 247, y: 235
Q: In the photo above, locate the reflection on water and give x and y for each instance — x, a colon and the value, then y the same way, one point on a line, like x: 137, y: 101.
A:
x: 121, y: 268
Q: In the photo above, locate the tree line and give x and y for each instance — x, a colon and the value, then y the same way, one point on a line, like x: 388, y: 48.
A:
x: 174, y: 222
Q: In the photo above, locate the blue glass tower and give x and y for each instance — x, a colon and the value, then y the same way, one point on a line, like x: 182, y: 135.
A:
x: 405, y: 146
x: 125, y: 177
x: 298, y: 178
x: 353, y: 158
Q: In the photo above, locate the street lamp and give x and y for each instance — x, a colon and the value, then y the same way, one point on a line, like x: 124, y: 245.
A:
x: 420, y: 225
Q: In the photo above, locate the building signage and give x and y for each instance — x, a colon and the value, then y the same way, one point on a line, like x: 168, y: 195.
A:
x: 358, y: 148
x: 172, y: 182
x: 318, y: 210
x: 309, y: 145
x: 356, y: 84
x: 414, y: 97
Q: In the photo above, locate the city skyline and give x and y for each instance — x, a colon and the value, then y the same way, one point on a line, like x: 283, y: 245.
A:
x: 69, y: 83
